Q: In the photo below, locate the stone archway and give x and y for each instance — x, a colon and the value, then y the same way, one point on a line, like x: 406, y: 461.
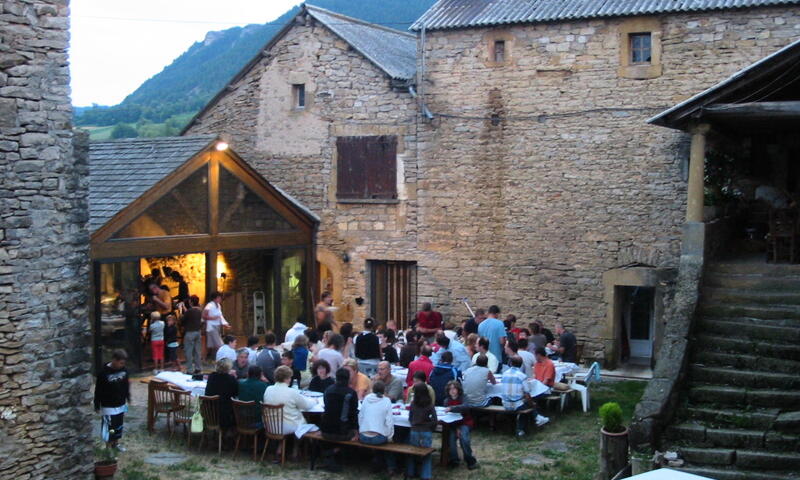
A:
x: 331, y: 277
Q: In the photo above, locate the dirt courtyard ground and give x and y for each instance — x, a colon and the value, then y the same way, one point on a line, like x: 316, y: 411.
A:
x: 566, y: 448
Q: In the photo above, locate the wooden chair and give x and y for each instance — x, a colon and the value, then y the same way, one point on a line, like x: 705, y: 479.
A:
x: 183, y: 412
x: 783, y: 233
x: 209, y: 409
x: 164, y: 402
x: 248, y: 422
x: 272, y: 416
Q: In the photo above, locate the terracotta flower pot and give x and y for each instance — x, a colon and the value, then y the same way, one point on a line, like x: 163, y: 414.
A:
x: 613, y: 452
x: 105, y: 469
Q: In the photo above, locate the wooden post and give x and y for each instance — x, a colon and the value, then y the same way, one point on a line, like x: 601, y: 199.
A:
x: 697, y: 154
x: 613, y: 453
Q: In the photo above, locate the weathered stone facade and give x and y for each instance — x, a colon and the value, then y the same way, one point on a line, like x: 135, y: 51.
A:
x: 528, y: 209
x: 44, y: 333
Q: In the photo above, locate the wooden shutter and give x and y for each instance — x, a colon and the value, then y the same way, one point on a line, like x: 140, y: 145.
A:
x: 367, y: 167
x: 351, y: 167
x: 382, y: 167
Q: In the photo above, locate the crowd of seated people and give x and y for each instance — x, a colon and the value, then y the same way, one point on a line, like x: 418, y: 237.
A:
x: 446, y: 367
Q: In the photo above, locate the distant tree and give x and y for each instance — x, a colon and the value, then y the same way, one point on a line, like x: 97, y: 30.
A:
x: 123, y: 130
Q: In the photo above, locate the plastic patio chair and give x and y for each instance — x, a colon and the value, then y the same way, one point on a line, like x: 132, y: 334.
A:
x: 586, y: 378
x: 248, y: 422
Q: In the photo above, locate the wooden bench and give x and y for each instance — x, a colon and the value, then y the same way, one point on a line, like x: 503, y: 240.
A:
x: 494, y: 410
x: 386, y: 447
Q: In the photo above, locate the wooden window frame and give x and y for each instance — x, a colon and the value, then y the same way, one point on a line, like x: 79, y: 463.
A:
x: 644, y: 51
x: 367, y: 162
x: 490, y: 41
x: 639, y: 70
x: 299, y: 96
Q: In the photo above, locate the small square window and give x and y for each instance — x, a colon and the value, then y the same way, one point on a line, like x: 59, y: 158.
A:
x: 640, y: 47
x: 499, y: 51
x: 299, y: 95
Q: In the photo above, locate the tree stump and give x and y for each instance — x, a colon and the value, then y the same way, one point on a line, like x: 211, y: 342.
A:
x: 613, y: 453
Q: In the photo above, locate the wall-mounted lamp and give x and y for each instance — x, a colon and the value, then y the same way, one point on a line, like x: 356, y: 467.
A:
x: 359, y: 301
x: 345, y: 257
x: 222, y: 146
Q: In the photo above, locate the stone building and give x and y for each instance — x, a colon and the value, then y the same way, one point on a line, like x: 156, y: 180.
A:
x: 45, y: 361
x: 526, y: 174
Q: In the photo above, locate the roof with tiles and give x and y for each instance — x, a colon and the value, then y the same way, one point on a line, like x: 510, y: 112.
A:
x: 392, y: 51
x: 120, y: 171
x: 451, y: 14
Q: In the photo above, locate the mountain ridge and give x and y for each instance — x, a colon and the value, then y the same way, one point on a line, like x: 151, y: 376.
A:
x: 183, y: 87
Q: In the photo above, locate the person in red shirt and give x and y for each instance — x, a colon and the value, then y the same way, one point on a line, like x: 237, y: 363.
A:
x: 511, y: 326
x: 423, y: 364
x: 429, y: 321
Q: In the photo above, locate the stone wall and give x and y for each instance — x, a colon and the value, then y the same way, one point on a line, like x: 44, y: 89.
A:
x: 295, y: 149
x: 45, y: 363
x: 526, y: 210
x: 569, y: 181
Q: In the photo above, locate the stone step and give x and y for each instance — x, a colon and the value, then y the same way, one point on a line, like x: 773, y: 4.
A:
x: 740, y: 396
x: 733, y: 417
x: 774, y: 269
x: 733, y: 473
x: 767, y: 312
x: 699, y: 434
x: 788, y: 422
x: 751, y: 329
x: 756, y: 297
x: 723, y: 342
x: 746, y: 459
x: 753, y: 282
x: 745, y: 361
x: 744, y: 378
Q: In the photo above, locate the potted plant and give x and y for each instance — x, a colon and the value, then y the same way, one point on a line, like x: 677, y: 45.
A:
x: 105, y: 463
x: 613, y: 440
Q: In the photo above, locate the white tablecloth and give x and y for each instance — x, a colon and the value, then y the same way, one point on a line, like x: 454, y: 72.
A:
x: 184, y: 381
x: 537, y: 387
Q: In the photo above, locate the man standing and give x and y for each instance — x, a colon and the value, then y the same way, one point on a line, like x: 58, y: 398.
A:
x: 323, y: 314
x: 493, y: 329
x: 393, y: 386
x: 111, y: 395
x: 429, y: 321
x: 192, y: 323
x: 567, y: 347
x: 212, y: 315
x: 159, y: 301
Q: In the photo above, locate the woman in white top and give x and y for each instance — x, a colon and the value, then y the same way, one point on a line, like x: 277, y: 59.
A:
x: 294, y: 402
x: 375, y: 421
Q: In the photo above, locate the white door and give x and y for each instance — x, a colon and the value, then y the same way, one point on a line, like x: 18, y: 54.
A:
x: 639, y: 321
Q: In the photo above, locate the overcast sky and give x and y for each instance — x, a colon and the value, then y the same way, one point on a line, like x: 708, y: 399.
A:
x: 118, y: 44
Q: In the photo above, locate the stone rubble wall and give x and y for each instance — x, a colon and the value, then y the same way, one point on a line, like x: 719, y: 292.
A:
x: 572, y: 181
x: 295, y: 149
x: 45, y: 362
x: 527, y: 214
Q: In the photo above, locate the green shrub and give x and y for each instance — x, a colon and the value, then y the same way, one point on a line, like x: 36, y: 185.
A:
x: 611, y: 417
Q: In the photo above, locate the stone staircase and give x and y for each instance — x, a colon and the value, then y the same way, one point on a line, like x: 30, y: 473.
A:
x: 740, y: 416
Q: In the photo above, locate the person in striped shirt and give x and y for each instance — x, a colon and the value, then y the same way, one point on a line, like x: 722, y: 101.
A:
x: 516, y: 395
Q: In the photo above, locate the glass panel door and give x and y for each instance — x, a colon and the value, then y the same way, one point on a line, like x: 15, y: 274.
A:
x: 117, y: 317
x: 292, y: 288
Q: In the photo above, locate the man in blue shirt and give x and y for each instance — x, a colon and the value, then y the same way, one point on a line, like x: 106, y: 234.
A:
x: 495, y: 331
x: 461, y: 358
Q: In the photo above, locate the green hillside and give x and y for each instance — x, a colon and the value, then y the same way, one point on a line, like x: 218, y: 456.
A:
x: 166, y: 101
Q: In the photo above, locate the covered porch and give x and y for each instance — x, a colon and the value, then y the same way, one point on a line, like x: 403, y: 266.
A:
x: 189, y: 215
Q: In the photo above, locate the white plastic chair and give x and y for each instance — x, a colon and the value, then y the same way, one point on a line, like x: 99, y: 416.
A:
x: 593, y: 374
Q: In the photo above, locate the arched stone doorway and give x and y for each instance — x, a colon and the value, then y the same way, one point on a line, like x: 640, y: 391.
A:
x: 330, y: 275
